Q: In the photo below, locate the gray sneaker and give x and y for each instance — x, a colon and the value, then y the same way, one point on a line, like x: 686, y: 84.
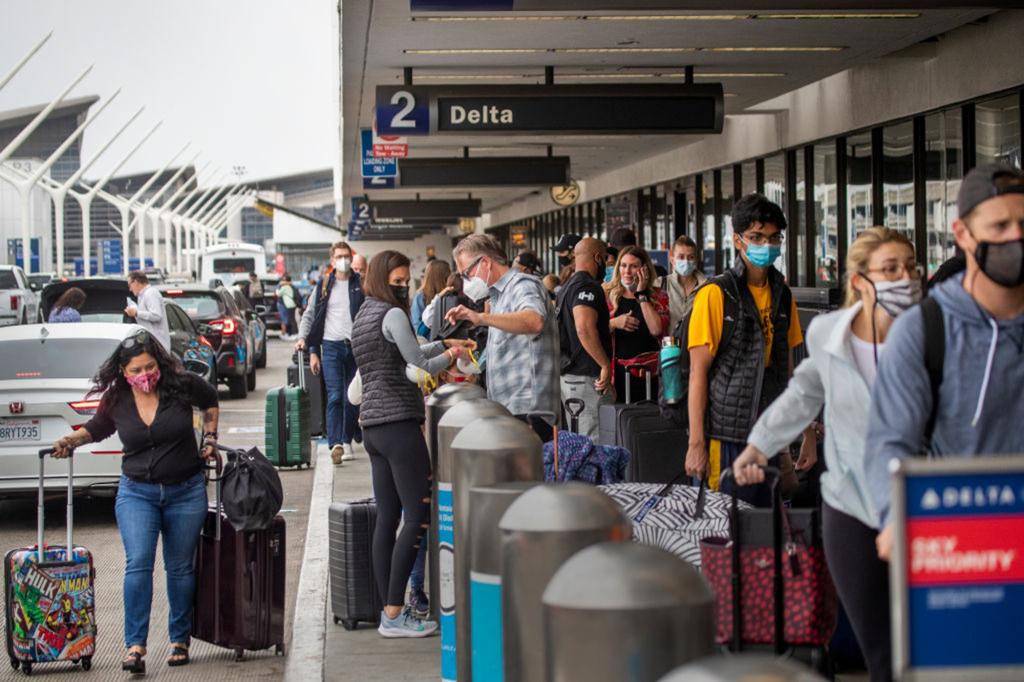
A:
x: 405, y: 624
x: 349, y: 453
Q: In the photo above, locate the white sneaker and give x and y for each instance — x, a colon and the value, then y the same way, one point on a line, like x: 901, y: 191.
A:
x: 405, y: 625
x: 338, y: 455
x: 349, y: 453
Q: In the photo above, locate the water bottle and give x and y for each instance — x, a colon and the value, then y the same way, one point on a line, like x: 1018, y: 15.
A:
x: 671, y: 376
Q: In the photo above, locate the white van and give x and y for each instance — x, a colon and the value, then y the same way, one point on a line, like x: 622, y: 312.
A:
x: 231, y: 262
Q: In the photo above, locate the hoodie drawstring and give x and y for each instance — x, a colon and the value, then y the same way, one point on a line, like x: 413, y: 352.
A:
x: 988, y: 371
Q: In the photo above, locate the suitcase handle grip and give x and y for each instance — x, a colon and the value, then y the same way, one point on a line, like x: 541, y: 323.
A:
x: 302, y: 369
x: 41, y: 505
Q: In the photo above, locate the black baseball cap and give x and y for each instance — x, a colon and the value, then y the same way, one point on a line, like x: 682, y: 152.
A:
x: 529, y: 261
x: 568, y: 242
x: 987, y: 182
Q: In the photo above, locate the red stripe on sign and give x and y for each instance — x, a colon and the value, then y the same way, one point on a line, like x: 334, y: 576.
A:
x: 966, y: 550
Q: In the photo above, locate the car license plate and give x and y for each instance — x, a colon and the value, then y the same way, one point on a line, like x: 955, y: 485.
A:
x: 17, y: 430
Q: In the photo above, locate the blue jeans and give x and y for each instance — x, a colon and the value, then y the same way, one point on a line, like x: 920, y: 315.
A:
x: 339, y: 368
x: 144, y: 512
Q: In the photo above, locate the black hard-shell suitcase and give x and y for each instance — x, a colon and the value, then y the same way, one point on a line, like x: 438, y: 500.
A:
x: 315, y: 389
x: 354, y: 594
x: 240, y: 584
x: 657, y: 448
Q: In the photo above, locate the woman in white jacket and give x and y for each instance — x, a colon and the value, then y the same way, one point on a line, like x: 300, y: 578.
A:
x: 882, y: 281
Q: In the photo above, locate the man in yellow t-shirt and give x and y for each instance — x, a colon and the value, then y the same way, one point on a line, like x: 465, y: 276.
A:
x: 733, y: 379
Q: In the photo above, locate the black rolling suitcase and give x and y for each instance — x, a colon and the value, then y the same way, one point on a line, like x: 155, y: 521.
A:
x: 240, y: 584
x: 315, y: 388
x: 656, y: 446
x: 354, y: 594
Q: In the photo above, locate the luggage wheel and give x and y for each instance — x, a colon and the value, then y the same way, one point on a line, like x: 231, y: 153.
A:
x: 279, y: 649
x: 87, y: 664
x: 15, y: 663
x: 26, y: 667
x: 349, y: 624
x: 239, y: 653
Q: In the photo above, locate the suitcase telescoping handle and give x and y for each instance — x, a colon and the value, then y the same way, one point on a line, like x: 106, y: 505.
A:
x: 775, y: 477
x: 218, y: 468
x: 302, y: 369
x: 40, y: 511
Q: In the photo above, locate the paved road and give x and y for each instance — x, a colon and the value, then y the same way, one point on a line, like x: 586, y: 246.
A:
x: 241, y: 424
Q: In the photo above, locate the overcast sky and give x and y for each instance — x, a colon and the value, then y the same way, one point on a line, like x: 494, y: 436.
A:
x: 248, y: 82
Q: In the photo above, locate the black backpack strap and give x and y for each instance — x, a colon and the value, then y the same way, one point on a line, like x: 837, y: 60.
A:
x: 934, y: 356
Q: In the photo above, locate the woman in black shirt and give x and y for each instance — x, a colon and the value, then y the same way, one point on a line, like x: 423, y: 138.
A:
x: 639, y: 316
x: 148, y: 400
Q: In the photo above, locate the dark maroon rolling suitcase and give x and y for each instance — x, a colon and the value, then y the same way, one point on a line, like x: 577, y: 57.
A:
x: 239, y: 600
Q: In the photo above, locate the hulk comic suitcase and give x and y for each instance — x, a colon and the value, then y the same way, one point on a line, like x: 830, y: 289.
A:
x: 240, y: 583
x: 287, y: 437
x: 49, y: 596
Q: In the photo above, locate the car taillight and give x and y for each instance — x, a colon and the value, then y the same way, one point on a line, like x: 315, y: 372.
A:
x: 205, y: 341
x: 14, y: 303
x: 226, y: 326
x: 174, y: 292
x: 85, y: 406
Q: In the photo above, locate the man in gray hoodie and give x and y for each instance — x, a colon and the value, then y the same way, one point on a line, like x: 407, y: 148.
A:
x: 980, y: 408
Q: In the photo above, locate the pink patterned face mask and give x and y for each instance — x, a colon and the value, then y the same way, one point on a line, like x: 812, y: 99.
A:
x: 144, y: 382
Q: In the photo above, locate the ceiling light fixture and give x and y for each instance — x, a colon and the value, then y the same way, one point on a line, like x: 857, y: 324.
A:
x: 615, y: 50
x: 595, y: 76
x: 675, y: 17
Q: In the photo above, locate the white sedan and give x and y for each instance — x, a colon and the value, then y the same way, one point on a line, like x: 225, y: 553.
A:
x: 45, y: 375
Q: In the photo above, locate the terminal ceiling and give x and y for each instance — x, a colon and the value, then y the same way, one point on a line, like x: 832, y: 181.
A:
x: 381, y: 37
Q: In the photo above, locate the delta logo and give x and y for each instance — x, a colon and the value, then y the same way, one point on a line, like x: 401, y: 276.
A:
x: 969, y: 497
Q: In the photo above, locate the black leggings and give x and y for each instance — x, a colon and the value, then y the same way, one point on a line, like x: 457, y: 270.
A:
x: 401, y: 484
x: 862, y: 580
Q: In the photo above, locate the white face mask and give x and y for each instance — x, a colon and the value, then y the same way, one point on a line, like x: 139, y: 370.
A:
x: 896, y: 297
x: 343, y: 264
x: 476, y: 288
x: 685, y: 268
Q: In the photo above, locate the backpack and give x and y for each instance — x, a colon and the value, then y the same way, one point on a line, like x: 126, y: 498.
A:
x: 934, y: 357
x: 251, y: 491
x: 678, y: 413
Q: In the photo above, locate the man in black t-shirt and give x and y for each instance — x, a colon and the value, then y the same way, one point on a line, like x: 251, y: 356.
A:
x: 586, y: 340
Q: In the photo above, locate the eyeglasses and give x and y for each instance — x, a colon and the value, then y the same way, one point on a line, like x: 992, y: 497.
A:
x: 465, y: 273
x: 758, y: 239
x: 895, y: 271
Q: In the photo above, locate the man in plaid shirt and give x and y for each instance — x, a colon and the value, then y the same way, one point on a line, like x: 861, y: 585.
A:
x: 522, y: 342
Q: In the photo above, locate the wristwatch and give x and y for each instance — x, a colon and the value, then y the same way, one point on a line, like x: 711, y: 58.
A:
x: 643, y: 298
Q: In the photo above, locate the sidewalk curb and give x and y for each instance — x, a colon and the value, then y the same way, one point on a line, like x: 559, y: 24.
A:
x: 309, y: 624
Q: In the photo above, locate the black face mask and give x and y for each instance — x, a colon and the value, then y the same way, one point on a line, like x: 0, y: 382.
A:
x: 400, y: 292
x: 1002, y: 262
x: 563, y: 261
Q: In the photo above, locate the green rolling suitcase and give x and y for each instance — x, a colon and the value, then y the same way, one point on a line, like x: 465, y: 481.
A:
x: 288, y: 440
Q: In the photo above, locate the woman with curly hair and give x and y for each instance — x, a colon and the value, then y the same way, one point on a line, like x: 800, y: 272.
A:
x: 147, y: 399
x: 639, y: 315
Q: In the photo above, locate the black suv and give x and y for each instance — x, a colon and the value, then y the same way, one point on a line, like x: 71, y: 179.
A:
x: 225, y: 327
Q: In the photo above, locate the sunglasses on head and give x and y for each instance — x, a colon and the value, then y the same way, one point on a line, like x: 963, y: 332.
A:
x: 139, y: 338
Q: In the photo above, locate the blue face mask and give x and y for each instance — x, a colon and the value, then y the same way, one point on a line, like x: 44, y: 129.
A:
x: 608, y: 272
x: 763, y: 255
x: 685, y: 267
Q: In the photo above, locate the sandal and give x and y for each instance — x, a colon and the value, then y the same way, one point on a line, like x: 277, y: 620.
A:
x: 133, y: 663
x: 179, y: 655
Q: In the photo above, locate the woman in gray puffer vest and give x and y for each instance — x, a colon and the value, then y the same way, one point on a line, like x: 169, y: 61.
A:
x: 391, y: 416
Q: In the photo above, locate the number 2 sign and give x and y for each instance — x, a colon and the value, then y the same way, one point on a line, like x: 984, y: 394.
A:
x: 403, y: 110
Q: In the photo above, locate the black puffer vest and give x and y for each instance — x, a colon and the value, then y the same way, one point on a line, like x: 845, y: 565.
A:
x: 388, y: 395
x: 740, y: 386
